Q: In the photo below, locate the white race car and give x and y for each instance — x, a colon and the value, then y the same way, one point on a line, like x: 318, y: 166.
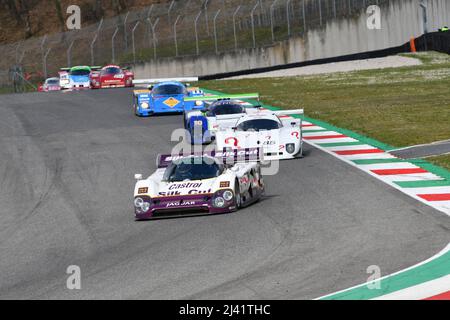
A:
x: 276, y: 132
x: 218, y: 182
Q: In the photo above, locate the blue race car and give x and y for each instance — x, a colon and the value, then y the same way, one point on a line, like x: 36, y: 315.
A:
x: 222, y: 114
x: 166, y: 96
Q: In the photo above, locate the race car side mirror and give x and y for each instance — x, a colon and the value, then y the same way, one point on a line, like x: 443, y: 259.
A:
x: 138, y: 177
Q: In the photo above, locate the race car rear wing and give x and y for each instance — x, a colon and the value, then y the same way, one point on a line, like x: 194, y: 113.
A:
x: 225, y: 157
x: 225, y: 97
x: 94, y: 68
x: 289, y: 112
x: 153, y: 81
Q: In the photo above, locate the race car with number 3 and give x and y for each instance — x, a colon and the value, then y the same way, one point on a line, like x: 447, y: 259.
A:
x: 189, y: 185
x: 276, y: 132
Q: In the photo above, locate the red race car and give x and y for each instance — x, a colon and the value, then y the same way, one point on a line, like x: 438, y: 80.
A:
x: 112, y: 77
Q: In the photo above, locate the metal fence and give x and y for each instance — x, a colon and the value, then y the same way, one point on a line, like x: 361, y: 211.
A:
x: 177, y: 28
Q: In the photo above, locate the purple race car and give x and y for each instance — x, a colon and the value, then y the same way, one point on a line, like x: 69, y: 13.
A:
x: 220, y: 182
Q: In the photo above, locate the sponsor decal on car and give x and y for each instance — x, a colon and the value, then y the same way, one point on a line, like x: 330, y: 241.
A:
x: 185, y: 185
x: 179, y: 193
x: 180, y: 204
x: 143, y: 190
x: 171, y: 102
x: 225, y: 184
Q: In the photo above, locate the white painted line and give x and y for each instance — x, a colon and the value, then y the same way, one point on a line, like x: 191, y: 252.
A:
x: 420, y: 292
x: 429, y: 190
x: 440, y: 254
x: 366, y: 156
x: 332, y: 140
x: 306, y: 129
x: 347, y: 148
x: 410, y: 177
x: 384, y: 166
x: 321, y: 134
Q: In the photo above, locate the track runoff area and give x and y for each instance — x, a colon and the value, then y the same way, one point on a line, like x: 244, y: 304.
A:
x: 428, y: 280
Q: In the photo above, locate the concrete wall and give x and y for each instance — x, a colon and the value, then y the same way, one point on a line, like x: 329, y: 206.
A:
x: 401, y: 20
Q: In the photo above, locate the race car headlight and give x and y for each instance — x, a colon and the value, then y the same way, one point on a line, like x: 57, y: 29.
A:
x: 198, y: 103
x: 290, y: 148
x: 145, y: 207
x: 219, y: 202
x: 141, y: 205
x: 138, y: 202
x: 144, y: 105
x: 228, y: 195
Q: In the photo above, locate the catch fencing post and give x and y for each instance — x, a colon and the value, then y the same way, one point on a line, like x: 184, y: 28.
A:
x: 175, y: 35
x: 234, y: 27
x: 149, y: 12
x: 334, y: 8
x: 197, y: 47
x: 94, y: 41
x: 288, y: 16
x: 304, y: 15
x: 45, y: 62
x: 133, y: 42
x: 44, y: 67
x: 253, y: 24
x: 205, y: 6
x: 69, y: 54
x: 92, y: 49
x: 113, y: 49
x: 320, y: 11
x: 271, y: 19
x: 169, y: 17
x: 125, y: 34
x: 17, y: 51
x: 215, y: 32
x: 153, y: 26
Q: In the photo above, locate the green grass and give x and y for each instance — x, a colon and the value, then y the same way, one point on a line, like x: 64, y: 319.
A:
x: 443, y: 161
x: 397, y: 106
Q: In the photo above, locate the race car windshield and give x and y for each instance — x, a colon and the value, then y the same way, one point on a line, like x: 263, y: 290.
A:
x: 258, y: 125
x: 225, y: 109
x: 192, y: 170
x: 168, y: 90
x: 53, y: 81
x: 80, y: 72
x: 111, y: 71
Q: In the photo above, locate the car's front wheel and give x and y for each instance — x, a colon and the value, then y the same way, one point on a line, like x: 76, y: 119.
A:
x: 237, y: 196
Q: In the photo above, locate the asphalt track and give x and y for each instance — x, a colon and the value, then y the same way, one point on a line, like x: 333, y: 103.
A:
x: 67, y: 163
